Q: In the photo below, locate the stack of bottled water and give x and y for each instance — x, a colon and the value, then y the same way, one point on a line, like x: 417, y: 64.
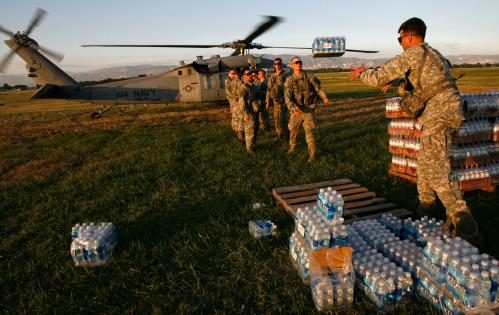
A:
x: 330, y: 203
x: 402, y: 124
x: 382, y: 281
x: 486, y: 104
x: 328, y: 46
x: 421, y: 230
x: 396, y: 145
x: 393, y: 109
x: 92, y: 244
x: 474, y: 127
x: 470, y: 173
x: 399, y: 163
x: 339, y: 236
x: 477, y: 138
x: 392, y: 223
x: 378, y: 275
x: 455, y: 270
x: 493, y: 169
x: 320, y: 229
x: 356, y: 241
x: 475, y: 150
x: 332, y: 287
x: 405, y: 254
x: 311, y: 225
x: 262, y: 228
x: 300, y: 255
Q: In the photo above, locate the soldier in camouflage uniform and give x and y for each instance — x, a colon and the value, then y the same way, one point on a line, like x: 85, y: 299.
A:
x: 251, y: 106
x: 440, y: 119
x: 275, y: 93
x: 300, y: 92
x: 264, y: 112
x: 233, y: 88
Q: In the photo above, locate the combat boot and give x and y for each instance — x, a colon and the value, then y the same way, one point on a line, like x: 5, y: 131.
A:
x: 466, y: 227
x: 291, y: 150
x: 311, y: 157
x: 423, y: 209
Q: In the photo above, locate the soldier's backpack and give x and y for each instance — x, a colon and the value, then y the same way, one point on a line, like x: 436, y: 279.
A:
x: 415, y: 103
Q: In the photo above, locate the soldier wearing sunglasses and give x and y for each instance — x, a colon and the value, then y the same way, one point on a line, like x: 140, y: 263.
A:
x: 275, y: 96
x: 429, y: 74
x: 301, y: 92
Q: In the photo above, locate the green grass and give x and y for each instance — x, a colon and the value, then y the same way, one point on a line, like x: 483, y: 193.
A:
x: 177, y: 192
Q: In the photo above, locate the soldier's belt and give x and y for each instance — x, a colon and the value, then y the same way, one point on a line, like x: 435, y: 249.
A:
x: 436, y: 88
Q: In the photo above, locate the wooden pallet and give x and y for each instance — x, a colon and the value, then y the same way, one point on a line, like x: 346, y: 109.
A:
x: 360, y: 203
x: 488, y: 187
x: 402, y: 175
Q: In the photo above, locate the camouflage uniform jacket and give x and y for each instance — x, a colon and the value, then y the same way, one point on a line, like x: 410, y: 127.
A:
x: 252, y: 97
x: 444, y: 107
x: 263, y: 90
x: 233, y: 89
x: 275, y: 88
x: 300, y: 92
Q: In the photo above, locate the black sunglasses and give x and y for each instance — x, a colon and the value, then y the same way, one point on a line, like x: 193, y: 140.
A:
x: 400, y: 38
x: 278, y: 63
x: 297, y: 62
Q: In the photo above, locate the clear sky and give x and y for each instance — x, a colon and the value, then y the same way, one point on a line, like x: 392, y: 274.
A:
x: 454, y: 27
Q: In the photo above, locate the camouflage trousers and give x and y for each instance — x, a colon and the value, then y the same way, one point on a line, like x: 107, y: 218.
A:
x: 434, y: 170
x: 264, y: 117
x: 281, y: 119
x: 295, y: 121
x: 237, y: 113
x: 232, y: 104
x: 251, y: 130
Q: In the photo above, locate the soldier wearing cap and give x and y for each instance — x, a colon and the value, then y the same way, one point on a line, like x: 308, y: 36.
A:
x: 301, y: 92
x: 428, y: 73
x: 251, y: 96
x: 233, y: 92
x: 275, y: 96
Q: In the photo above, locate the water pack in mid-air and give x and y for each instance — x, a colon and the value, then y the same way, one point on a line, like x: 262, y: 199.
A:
x: 328, y: 46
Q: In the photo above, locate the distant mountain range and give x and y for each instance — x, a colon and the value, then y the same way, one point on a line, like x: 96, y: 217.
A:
x: 308, y: 62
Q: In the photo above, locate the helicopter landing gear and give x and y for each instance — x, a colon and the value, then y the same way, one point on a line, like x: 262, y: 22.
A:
x: 100, y: 112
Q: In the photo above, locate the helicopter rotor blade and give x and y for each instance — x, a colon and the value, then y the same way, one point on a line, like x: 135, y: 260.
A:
x: 363, y: 51
x: 262, y: 28
x: 286, y: 47
x: 7, y: 59
x: 172, y: 46
x: 40, y: 13
x: 6, y: 31
x: 55, y: 55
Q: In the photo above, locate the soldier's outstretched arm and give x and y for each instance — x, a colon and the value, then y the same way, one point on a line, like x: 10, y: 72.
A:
x: 391, y: 70
x: 320, y: 91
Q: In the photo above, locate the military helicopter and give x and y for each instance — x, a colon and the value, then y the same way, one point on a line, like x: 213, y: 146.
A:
x: 202, y: 80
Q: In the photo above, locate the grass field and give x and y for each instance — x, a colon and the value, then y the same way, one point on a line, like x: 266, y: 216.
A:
x: 175, y: 183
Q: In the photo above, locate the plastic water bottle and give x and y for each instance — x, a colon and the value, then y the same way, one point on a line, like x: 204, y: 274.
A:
x: 74, y: 230
x: 262, y: 228
x: 485, y: 287
x: 92, y: 244
x: 494, y: 279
